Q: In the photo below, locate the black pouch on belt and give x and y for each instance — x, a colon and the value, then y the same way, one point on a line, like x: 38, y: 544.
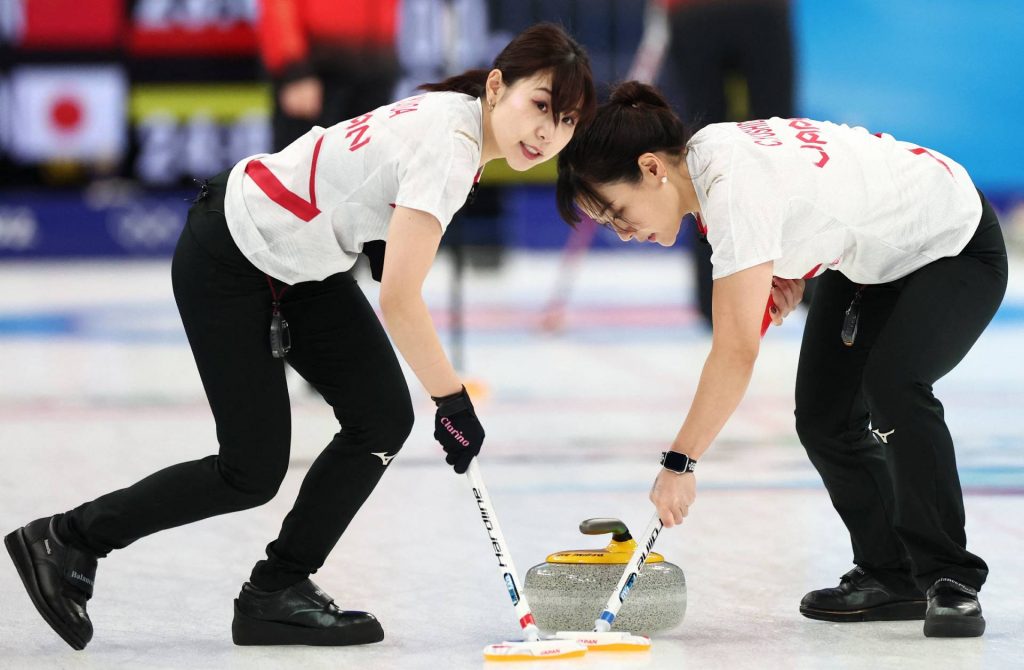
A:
x: 850, y: 321
x: 280, y: 338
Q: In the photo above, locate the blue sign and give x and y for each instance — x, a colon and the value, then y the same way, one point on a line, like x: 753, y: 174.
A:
x: 61, y: 225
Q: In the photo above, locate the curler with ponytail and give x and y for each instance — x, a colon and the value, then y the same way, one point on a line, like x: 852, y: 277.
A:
x: 636, y: 119
x: 539, y: 48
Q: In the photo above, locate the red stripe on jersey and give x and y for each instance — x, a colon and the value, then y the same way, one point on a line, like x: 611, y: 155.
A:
x: 305, y: 210
x: 921, y: 150
x: 701, y: 228
x: 312, y: 172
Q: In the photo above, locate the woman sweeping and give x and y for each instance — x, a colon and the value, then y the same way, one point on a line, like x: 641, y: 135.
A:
x: 261, y: 276
x: 913, y: 268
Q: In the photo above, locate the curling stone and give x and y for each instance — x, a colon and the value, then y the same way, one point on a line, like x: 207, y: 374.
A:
x: 569, y: 590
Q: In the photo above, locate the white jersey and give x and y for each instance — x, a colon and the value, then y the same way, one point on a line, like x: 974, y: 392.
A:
x: 304, y: 213
x: 812, y: 195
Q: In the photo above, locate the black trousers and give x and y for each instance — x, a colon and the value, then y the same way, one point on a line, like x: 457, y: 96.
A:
x: 868, y: 418
x: 338, y: 346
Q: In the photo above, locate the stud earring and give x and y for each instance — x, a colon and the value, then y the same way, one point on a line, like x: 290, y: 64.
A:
x: 664, y: 180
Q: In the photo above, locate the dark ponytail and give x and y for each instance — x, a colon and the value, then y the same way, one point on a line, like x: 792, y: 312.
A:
x: 539, y: 48
x: 636, y: 119
x: 630, y: 93
x: 470, y: 82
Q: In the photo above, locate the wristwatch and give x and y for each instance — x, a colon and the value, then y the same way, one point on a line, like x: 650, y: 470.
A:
x: 677, y: 462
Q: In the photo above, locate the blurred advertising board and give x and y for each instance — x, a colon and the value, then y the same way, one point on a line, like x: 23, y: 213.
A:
x: 67, y: 112
x: 196, y: 130
x: 193, y: 28
x: 62, y: 24
x: 103, y: 221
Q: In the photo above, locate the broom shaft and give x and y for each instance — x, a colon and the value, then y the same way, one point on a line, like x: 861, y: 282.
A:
x: 629, y: 575
x: 506, y: 567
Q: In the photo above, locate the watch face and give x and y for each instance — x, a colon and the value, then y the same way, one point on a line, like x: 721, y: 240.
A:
x: 676, y: 462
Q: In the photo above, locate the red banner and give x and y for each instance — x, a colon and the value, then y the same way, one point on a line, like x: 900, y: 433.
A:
x: 70, y: 24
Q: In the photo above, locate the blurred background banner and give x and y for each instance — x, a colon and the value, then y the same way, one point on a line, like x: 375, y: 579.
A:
x: 111, y: 107
x: 67, y: 113
x: 63, y: 24
x: 940, y: 73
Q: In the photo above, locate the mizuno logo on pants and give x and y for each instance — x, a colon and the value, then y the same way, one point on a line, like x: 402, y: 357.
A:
x: 383, y: 456
x: 884, y: 437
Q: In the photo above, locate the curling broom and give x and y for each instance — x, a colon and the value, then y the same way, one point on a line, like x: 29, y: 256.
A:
x: 532, y: 648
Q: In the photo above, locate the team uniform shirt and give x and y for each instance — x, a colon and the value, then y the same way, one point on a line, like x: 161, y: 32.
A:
x: 305, y: 213
x: 813, y: 195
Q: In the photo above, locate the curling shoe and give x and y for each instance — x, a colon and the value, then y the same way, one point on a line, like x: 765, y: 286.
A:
x: 58, y: 577
x: 862, y: 597
x: 299, y: 614
x: 953, y: 610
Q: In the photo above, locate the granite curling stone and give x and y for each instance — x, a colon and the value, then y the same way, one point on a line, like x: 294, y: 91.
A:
x: 570, y: 589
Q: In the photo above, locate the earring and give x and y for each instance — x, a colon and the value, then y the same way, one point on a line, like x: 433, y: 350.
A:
x: 490, y: 105
x: 664, y: 180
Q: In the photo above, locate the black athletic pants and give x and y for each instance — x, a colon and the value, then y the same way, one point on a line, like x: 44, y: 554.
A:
x: 870, y: 423
x: 338, y: 346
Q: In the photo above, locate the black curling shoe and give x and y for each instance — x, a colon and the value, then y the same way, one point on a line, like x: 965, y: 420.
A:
x: 861, y: 597
x: 58, y: 577
x: 953, y: 610
x: 299, y: 614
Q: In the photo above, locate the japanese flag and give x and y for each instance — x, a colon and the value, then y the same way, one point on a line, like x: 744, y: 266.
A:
x: 68, y: 112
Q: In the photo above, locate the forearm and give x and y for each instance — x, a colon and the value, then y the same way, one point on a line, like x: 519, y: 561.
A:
x: 412, y: 330
x: 723, y: 382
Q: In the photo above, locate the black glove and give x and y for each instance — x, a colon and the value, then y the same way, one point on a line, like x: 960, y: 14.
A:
x: 457, y: 429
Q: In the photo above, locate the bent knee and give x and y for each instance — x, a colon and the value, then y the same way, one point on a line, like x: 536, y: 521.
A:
x: 820, y: 432
x: 401, y: 422
x: 254, y: 484
x: 393, y: 423
x: 387, y: 428
x: 891, y: 393
x: 811, y: 429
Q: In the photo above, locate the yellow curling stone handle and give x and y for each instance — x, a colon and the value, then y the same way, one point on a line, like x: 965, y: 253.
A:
x: 618, y: 551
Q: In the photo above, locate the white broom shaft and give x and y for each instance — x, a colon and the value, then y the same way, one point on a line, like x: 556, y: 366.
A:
x: 505, y: 565
x: 636, y: 563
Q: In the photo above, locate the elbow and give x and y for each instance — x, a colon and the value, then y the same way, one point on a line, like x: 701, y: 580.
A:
x: 390, y: 303
x: 395, y: 301
x: 741, y: 356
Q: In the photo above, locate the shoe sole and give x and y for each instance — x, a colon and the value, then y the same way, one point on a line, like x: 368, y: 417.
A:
x: 247, y: 631
x: 17, y: 547
x: 954, y: 626
x: 904, y: 610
